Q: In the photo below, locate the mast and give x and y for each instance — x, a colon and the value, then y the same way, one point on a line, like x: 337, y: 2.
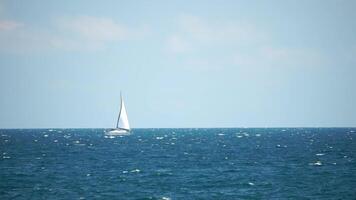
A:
x: 118, y: 118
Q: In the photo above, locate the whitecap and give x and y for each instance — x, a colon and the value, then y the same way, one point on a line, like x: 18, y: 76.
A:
x: 258, y: 135
x: 55, y: 141
x: 159, y: 138
x: 319, y: 154
x: 166, y: 198
x: 6, y: 157
x: 124, y: 172
x: 45, y: 135
x: 250, y: 183
x: 221, y: 134
x: 135, y: 170
x: 246, y: 134
x: 317, y: 163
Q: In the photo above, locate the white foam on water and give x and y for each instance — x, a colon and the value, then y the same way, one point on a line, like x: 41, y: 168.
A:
x: 135, y: 170
x: 166, y: 198
x: 55, y: 141
x: 159, y: 138
x: 45, y: 135
x: 245, y: 134
x: 250, y: 183
x: 319, y: 154
x: 67, y: 136
x: 317, y: 163
x: 258, y: 135
x: 221, y: 134
x: 125, y: 172
x: 6, y: 157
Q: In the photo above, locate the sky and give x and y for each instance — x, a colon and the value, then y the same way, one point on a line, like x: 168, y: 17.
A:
x: 178, y: 63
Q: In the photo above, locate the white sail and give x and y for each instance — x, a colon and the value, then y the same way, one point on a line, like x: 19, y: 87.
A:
x: 123, y: 121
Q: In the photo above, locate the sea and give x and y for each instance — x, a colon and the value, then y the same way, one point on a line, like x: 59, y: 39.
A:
x: 167, y: 164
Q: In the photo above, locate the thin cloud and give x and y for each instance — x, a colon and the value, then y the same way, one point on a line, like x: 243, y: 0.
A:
x: 75, y: 33
x: 269, y: 56
x: 91, y: 33
x: 201, y: 33
x: 8, y: 25
x: 177, y: 44
x: 234, y: 44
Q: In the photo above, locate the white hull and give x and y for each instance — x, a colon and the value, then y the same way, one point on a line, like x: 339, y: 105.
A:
x: 117, y: 132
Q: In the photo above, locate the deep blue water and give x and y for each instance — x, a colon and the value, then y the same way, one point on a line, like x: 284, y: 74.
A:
x: 172, y: 164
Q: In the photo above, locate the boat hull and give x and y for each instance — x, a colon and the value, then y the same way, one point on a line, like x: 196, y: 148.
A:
x: 117, y: 132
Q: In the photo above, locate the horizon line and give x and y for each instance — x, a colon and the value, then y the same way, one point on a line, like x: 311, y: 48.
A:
x: 258, y: 127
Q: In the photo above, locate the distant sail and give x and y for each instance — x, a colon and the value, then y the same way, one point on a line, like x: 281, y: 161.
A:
x: 123, y: 121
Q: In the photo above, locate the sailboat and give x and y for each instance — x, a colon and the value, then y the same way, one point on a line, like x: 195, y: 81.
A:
x: 122, y: 124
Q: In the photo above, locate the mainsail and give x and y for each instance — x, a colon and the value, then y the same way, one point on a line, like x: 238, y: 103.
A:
x: 122, y: 121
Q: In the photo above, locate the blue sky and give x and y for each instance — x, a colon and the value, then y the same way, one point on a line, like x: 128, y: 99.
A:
x: 178, y: 63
